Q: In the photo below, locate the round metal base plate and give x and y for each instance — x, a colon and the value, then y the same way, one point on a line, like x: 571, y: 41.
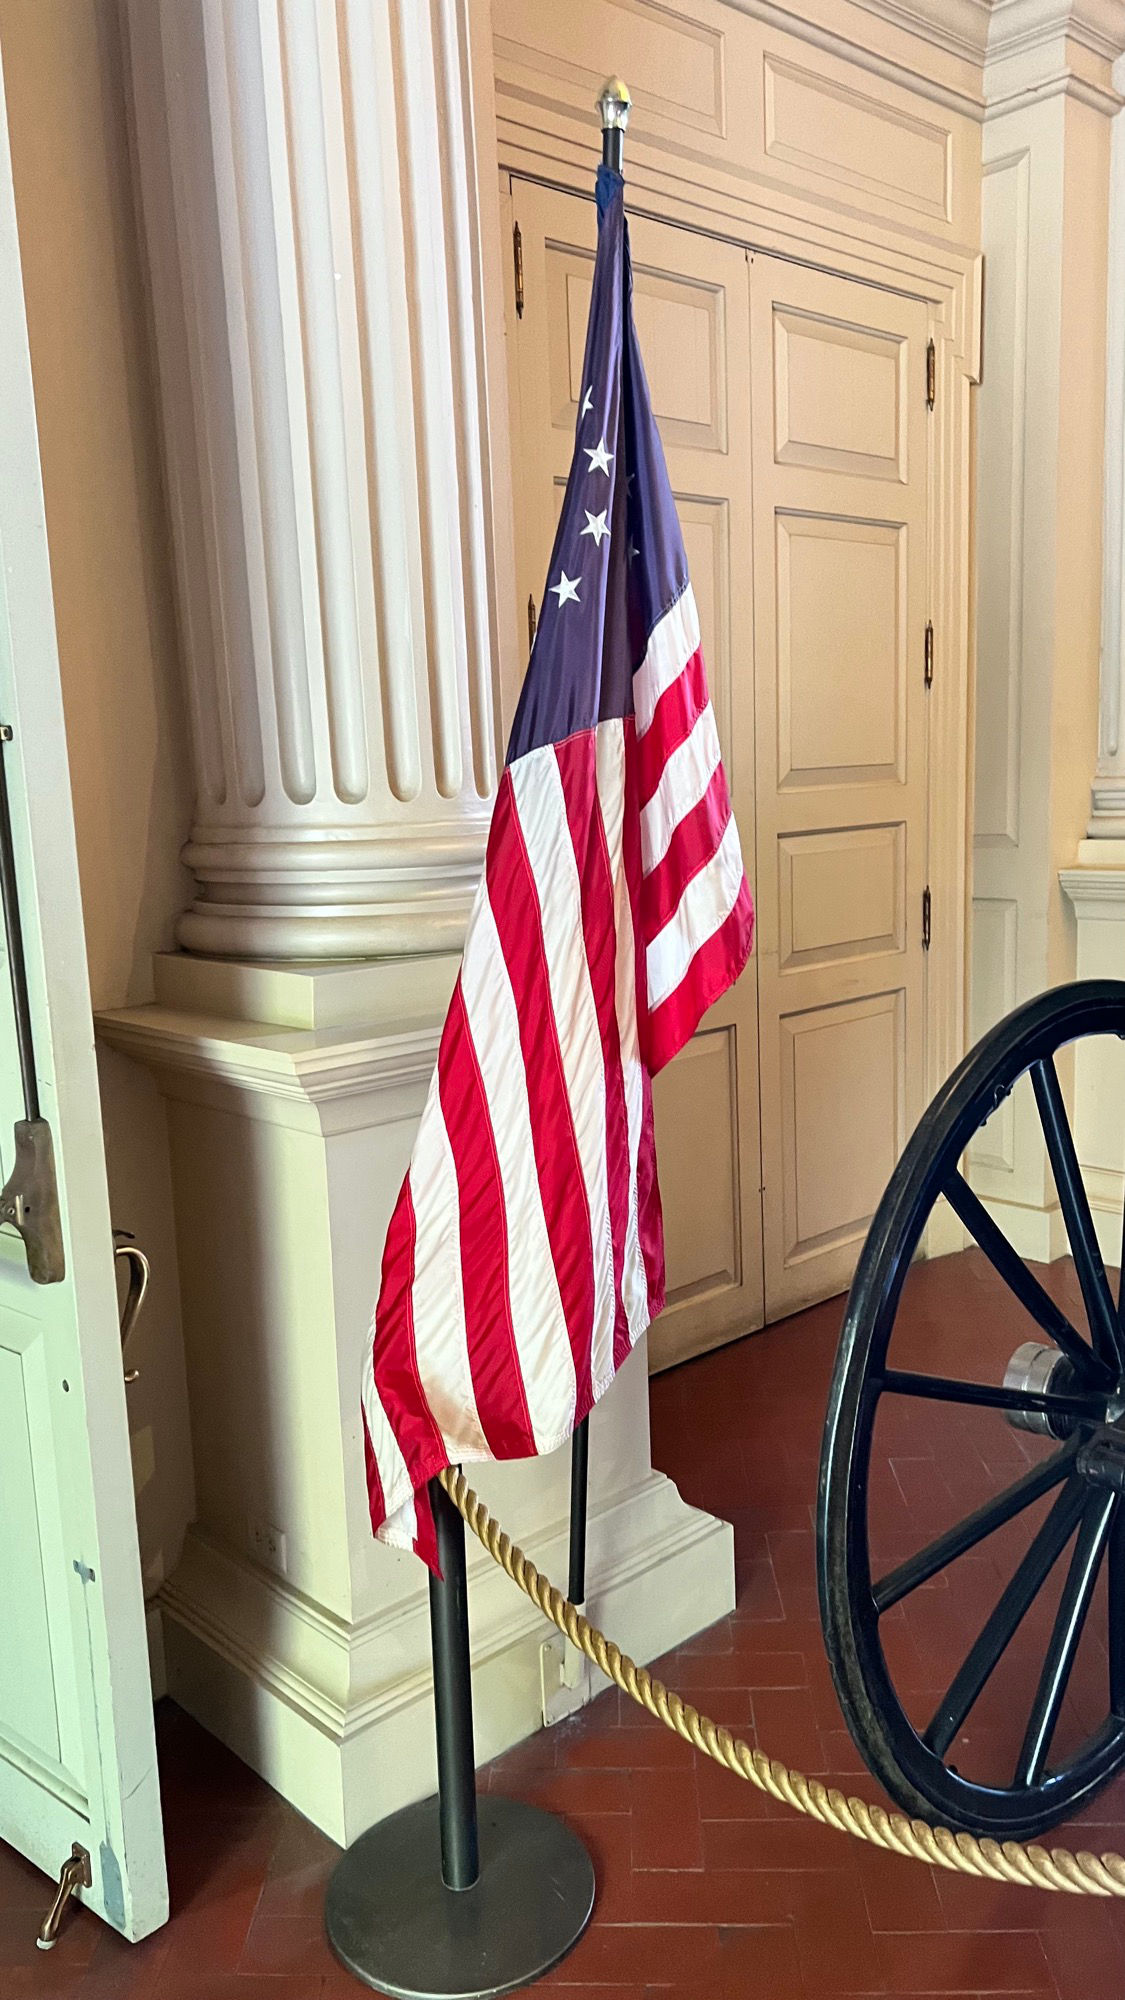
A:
x: 393, y: 1923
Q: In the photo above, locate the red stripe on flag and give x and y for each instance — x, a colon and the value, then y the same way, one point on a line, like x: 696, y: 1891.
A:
x: 375, y: 1502
x: 715, y: 966
x: 650, y: 1221
x: 694, y: 843
x: 577, y: 760
x: 493, y: 1357
x: 673, y: 719
x: 515, y: 908
x: 395, y: 1360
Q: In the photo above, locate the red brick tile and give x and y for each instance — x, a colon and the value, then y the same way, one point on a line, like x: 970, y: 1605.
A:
x: 786, y: 1724
x: 245, y: 1986
x: 664, y: 1812
x: 964, y: 1962
x: 900, y: 1895
x: 1085, y: 1949
x: 287, y: 1944
x: 788, y: 1843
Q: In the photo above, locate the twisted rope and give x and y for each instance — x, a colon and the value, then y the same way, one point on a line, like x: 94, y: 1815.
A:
x: 1008, y: 1861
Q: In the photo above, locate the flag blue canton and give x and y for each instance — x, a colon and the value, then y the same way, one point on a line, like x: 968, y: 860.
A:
x: 618, y: 562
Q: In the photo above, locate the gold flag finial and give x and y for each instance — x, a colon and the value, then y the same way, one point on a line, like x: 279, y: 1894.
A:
x: 614, y: 102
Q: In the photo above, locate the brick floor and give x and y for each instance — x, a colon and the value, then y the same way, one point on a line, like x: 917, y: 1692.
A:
x: 705, y: 1888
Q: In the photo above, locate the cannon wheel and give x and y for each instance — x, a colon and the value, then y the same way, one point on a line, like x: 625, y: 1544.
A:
x: 1070, y: 1385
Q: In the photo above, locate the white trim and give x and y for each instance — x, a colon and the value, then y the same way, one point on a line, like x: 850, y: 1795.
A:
x: 305, y: 1698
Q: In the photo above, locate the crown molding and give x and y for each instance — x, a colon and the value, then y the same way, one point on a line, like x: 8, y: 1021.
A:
x: 960, y: 27
x: 1039, y: 49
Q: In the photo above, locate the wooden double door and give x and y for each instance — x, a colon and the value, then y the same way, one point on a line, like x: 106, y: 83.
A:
x: 792, y: 407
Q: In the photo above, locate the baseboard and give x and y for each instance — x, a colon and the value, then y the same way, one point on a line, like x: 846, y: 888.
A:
x: 1036, y: 1233
x: 1040, y: 1234
x: 1106, y: 1189
x: 304, y: 1696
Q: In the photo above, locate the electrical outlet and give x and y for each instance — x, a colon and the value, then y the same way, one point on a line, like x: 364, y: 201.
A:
x: 267, y: 1546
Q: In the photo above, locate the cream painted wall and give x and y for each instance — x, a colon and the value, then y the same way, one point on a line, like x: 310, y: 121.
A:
x: 87, y: 316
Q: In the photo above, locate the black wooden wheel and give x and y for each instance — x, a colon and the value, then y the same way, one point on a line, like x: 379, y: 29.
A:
x: 1065, y: 1394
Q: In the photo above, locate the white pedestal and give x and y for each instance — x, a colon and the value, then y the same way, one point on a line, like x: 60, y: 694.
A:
x: 1098, y: 895
x: 293, y: 1095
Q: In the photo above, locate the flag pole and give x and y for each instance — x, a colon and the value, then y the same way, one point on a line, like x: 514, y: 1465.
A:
x: 456, y: 1898
x: 614, y: 105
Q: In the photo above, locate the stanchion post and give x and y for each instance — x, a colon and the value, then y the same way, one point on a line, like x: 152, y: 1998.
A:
x: 579, y: 1492
x: 456, y: 1898
x: 453, y: 1698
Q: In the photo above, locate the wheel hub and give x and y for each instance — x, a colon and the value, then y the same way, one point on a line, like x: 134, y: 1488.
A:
x: 1040, y: 1371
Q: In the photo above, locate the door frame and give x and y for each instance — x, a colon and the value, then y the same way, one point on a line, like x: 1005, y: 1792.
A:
x: 911, y: 254
x: 104, y: 1793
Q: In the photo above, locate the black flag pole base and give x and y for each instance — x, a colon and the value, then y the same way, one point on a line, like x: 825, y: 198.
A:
x: 445, y: 1901
x: 394, y: 1924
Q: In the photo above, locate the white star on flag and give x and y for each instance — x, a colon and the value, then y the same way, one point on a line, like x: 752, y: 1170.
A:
x: 596, y: 526
x: 587, y: 402
x: 598, y: 456
x: 566, y: 588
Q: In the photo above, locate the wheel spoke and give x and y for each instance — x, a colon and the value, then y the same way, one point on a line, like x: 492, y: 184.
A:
x: 1010, y: 1608
x: 990, y: 1395
x: 1010, y: 1266
x: 918, y: 1569
x: 1104, y: 1330
x: 1066, y: 1635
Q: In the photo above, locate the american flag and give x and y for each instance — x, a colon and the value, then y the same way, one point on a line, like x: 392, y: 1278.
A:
x: 525, y: 1256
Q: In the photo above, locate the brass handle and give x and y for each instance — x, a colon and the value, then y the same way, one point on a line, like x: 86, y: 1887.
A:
x: 124, y: 1247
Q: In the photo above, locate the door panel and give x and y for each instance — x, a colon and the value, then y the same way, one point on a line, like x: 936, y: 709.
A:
x: 77, y: 1752
x: 692, y: 311
x: 839, y: 473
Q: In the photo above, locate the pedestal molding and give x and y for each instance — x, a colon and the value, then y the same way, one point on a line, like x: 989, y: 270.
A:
x: 280, y: 1672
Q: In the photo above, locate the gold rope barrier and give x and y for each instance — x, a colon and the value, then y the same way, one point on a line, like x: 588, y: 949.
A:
x: 1008, y: 1861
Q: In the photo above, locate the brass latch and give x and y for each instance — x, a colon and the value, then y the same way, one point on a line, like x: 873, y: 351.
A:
x: 75, y: 1874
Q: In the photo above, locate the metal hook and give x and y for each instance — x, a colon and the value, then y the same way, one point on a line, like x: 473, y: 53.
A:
x: 139, y: 1272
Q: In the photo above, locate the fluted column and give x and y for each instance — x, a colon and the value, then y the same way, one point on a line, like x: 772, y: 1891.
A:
x: 307, y: 180
x: 1107, y: 819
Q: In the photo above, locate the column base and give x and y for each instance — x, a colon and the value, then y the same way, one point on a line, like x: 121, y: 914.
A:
x: 354, y: 894
x: 338, y: 1717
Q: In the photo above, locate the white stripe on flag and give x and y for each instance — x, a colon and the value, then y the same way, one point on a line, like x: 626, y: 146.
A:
x: 703, y: 909
x: 611, y: 798
x: 438, y: 1301
x: 538, y: 793
x: 538, y: 1322
x: 401, y: 1525
x: 671, y: 644
x: 683, y: 781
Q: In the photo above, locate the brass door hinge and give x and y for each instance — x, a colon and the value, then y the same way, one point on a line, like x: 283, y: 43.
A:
x: 532, y: 622
x: 931, y: 374
x: 927, y: 907
x: 929, y: 652
x: 29, y: 1199
x: 517, y: 258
